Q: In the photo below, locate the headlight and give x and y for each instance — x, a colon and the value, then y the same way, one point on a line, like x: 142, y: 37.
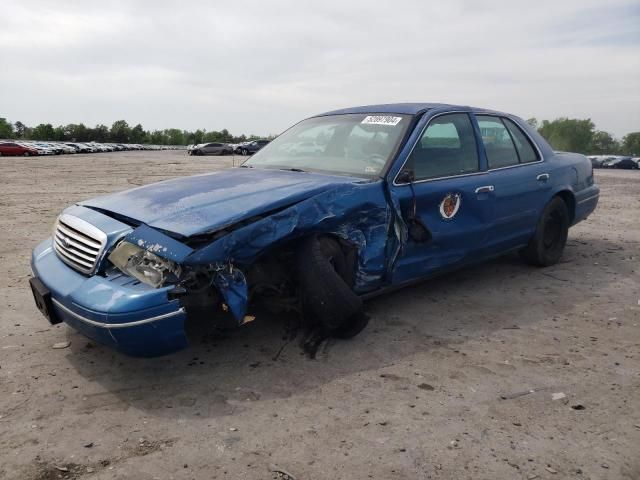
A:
x: 144, y: 265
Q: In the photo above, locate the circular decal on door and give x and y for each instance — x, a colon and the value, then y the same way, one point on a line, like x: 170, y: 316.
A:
x: 450, y: 205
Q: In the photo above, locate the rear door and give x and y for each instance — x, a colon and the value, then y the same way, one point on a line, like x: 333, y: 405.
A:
x: 449, y: 194
x: 13, y: 149
x: 520, y: 181
x: 211, y: 148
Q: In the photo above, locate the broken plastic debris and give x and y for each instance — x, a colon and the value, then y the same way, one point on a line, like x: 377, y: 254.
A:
x: 61, y: 345
x: 557, y: 396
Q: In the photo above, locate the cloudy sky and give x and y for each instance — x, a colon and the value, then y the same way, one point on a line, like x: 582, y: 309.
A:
x: 258, y: 66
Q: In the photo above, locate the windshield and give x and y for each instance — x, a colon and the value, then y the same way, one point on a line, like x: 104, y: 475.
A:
x: 351, y: 144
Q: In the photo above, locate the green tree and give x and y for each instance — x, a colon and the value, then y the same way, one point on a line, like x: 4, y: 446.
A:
x: 20, y: 129
x: 59, y: 133
x: 99, y: 134
x: 631, y: 144
x: 138, y: 135
x: 568, y: 134
x: 120, y: 132
x: 603, y: 143
x: 44, y: 131
x: 77, y: 132
x: 157, y: 137
x: 174, y: 136
x: 6, y: 129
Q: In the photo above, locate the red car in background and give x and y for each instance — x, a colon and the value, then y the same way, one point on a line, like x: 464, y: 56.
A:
x: 11, y: 148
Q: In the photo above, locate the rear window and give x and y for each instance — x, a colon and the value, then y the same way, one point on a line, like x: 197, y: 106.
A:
x: 498, y: 144
x: 526, y: 151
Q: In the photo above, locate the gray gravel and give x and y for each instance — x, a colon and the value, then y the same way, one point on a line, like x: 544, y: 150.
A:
x: 452, y: 379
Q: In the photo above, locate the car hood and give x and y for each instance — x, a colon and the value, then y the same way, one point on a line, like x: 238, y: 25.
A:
x: 205, y: 203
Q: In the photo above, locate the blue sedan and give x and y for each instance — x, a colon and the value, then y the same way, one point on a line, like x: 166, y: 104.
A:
x: 387, y: 196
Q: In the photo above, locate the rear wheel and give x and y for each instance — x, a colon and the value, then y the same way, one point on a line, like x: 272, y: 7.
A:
x: 547, y: 244
x: 26, y: 154
x: 244, y: 152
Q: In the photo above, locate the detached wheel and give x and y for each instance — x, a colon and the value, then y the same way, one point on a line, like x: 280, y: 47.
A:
x: 547, y: 244
x: 326, y: 280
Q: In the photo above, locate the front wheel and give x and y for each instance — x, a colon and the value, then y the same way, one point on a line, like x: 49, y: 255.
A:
x: 326, y: 278
x: 244, y: 152
x: 547, y: 244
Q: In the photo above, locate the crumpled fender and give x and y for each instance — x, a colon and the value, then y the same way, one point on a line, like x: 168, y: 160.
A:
x: 358, y: 213
x: 232, y: 285
x: 363, y: 214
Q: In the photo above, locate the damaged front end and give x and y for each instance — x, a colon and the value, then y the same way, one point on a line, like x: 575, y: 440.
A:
x: 231, y: 271
x: 148, y: 283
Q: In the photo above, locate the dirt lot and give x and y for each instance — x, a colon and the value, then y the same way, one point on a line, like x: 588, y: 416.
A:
x: 416, y: 395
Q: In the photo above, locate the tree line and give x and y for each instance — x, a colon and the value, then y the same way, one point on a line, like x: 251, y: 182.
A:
x: 581, y: 136
x: 120, y: 132
x: 567, y: 134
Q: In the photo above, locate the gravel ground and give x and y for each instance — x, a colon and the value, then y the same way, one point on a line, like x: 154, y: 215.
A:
x: 458, y: 377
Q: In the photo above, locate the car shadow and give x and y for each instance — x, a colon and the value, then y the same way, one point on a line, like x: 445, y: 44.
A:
x: 221, y: 372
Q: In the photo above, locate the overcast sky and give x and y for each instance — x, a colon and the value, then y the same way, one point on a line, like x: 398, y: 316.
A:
x: 259, y: 66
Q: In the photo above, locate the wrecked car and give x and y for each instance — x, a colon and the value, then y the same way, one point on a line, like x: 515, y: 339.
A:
x: 390, y: 195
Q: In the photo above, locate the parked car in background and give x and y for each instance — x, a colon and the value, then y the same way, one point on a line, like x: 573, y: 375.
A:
x: 597, y: 160
x: 14, y: 149
x: 625, y: 163
x: 249, y: 148
x: 66, y: 148
x: 213, y: 148
x: 42, y: 148
x: 401, y: 192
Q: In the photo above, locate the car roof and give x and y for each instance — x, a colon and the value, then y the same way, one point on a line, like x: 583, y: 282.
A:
x: 405, y: 108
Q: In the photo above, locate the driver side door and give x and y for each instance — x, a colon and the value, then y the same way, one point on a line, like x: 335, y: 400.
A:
x: 450, y: 197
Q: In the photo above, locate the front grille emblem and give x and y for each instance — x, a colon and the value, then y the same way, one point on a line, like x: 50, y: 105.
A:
x: 65, y: 242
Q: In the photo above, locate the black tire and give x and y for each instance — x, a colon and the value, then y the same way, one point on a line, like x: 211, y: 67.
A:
x: 244, y: 152
x: 547, y: 244
x: 326, y: 281
x: 26, y: 154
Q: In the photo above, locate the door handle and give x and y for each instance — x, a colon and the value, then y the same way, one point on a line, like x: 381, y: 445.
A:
x: 543, y: 177
x: 485, y: 189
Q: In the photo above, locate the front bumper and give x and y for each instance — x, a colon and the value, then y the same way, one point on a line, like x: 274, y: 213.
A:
x: 117, y: 310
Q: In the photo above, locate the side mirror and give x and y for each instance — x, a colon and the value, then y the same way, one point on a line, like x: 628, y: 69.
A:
x: 406, y: 176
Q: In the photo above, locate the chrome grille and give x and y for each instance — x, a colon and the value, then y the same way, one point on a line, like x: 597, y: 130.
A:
x: 78, y: 243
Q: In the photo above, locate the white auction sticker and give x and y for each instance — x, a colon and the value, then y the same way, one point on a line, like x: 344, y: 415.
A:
x: 381, y: 120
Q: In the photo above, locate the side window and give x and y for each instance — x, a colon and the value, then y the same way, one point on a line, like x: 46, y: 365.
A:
x: 498, y: 145
x: 526, y: 152
x: 447, y: 148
